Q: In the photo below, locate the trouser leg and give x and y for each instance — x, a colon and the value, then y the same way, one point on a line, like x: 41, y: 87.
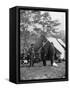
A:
x: 52, y: 60
x: 31, y: 62
x: 44, y: 62
x: 43, y: 59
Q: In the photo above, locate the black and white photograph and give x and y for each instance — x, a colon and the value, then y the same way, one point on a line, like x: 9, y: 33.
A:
x: 42, y: 44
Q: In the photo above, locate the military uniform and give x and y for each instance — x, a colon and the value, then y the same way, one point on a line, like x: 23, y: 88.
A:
x: 31, y: 53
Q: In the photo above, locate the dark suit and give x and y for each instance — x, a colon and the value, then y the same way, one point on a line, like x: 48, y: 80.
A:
x: 52, y: 53
x: 47, y: 52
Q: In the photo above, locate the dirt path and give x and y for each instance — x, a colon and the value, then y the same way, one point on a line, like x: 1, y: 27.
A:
x: 42, y: 72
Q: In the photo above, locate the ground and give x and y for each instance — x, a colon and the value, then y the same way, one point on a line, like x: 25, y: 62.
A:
x: 38, y: 71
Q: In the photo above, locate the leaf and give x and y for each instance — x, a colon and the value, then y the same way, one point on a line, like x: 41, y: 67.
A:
x: 56, y: 24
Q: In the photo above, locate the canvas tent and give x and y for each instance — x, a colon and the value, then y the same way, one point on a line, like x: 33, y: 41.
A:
x: 58, y: 46
x: 61, y: 43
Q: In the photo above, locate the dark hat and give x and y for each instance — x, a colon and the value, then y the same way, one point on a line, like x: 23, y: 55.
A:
x: 32, y: 44
x: 52, y: 43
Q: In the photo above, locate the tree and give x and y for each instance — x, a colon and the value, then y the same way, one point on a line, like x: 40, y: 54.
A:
x: 24, y: 23
x: 33, y: 18
x: 46, y: 21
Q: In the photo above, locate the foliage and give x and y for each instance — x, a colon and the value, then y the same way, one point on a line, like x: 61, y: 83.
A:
x: 36, y: 23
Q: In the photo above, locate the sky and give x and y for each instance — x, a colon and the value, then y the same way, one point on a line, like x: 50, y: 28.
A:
x: 59, y: 16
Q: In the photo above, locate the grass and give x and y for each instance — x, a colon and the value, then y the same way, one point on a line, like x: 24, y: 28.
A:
x: 38, y: 71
